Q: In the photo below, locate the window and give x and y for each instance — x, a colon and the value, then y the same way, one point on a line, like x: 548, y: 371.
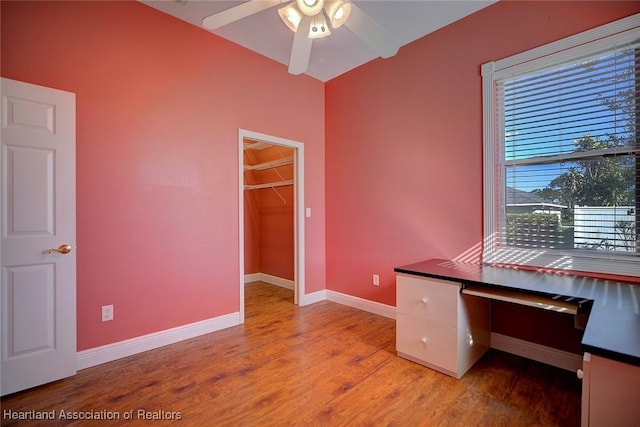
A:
x: 562, y: 153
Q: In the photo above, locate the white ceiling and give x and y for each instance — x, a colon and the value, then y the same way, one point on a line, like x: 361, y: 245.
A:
x: 266, y: 34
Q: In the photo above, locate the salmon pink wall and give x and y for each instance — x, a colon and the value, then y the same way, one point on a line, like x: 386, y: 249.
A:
x: 404, y: 141
x: 159, y: 105
x: 251, y: 234
x: 276, y: 220
x: 269, y: 234
x: 251, y: 218
x: 276, y: 233
x: 269, y: 216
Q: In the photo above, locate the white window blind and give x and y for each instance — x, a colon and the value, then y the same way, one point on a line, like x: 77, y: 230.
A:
x: 562, y: 153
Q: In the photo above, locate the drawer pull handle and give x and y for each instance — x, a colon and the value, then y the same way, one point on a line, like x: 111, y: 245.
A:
x: 423, y: 341
x: 424, y: 300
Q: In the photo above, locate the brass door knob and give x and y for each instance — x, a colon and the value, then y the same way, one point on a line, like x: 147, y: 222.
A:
x: 62, y: 249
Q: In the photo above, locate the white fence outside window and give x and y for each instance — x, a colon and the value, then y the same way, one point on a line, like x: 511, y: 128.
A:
x: 604, y: 227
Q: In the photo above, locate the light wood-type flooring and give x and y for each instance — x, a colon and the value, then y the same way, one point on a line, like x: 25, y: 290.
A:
x: 321, y: 365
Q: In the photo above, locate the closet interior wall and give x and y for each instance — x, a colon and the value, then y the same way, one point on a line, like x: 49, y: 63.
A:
x: 269, y: 209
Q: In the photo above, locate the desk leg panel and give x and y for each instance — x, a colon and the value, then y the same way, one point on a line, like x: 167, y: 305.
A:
x: 612, y: 393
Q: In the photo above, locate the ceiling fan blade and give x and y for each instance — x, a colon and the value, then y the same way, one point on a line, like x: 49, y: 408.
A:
x: 370, y: 32
x: 301, y: 48
x: 238, y: 12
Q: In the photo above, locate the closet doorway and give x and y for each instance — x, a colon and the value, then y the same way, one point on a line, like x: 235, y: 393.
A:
x: 271, y: 182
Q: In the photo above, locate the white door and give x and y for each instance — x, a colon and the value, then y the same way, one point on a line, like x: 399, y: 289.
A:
x: 37, y: 181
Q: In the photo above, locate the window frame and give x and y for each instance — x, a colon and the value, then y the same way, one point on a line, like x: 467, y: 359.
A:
x: 601, y: 40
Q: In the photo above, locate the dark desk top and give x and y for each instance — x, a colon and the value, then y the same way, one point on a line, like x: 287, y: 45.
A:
x: 613, y: 328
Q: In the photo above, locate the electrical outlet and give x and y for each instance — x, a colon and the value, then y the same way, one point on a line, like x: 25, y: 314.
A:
x: 376, y: 280
x: 107, y: 313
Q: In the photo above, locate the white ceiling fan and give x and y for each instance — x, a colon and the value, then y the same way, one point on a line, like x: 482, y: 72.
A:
x: 308, y: 20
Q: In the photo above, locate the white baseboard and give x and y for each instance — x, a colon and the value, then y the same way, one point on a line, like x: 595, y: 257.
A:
x: 550, y: 356
x: 273, y: 280
x: 253, y: 277
x: 107, y: 353
x: 362, y: 304
x: 278, y: 281
x: 314, y: 297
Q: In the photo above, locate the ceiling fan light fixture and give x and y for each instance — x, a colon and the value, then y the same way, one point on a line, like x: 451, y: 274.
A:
x: 319, y: 27
x: 338, y: 12
x: 290, y: 16
x: 310, y: 7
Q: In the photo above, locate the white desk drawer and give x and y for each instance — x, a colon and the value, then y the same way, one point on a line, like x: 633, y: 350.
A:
x: 428, y: 341
x: 428, y: 299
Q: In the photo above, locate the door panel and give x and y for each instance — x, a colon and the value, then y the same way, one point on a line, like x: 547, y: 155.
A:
x: 38, y: 298
x: 30, y: 187
x: 30, y: 291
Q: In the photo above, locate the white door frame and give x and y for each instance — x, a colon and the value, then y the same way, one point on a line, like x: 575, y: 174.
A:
x: 298, y: 216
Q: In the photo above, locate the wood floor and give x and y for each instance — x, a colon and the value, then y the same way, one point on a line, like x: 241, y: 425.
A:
x: 320, y: 365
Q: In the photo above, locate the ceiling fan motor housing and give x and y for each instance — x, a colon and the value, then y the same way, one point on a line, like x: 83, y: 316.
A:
x: 310, y: 7
x: 316, y: 18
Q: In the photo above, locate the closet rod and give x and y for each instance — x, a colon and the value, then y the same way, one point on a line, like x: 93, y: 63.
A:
x: 268, y: 185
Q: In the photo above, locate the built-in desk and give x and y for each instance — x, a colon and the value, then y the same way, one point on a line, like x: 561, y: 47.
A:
x: 611, y: 340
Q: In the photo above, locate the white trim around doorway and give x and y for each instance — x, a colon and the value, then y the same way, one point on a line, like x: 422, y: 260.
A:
x: 299, y: 261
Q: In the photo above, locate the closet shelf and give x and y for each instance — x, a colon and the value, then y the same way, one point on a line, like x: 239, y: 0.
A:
x: 269, y: 165
x: 268, y: 185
